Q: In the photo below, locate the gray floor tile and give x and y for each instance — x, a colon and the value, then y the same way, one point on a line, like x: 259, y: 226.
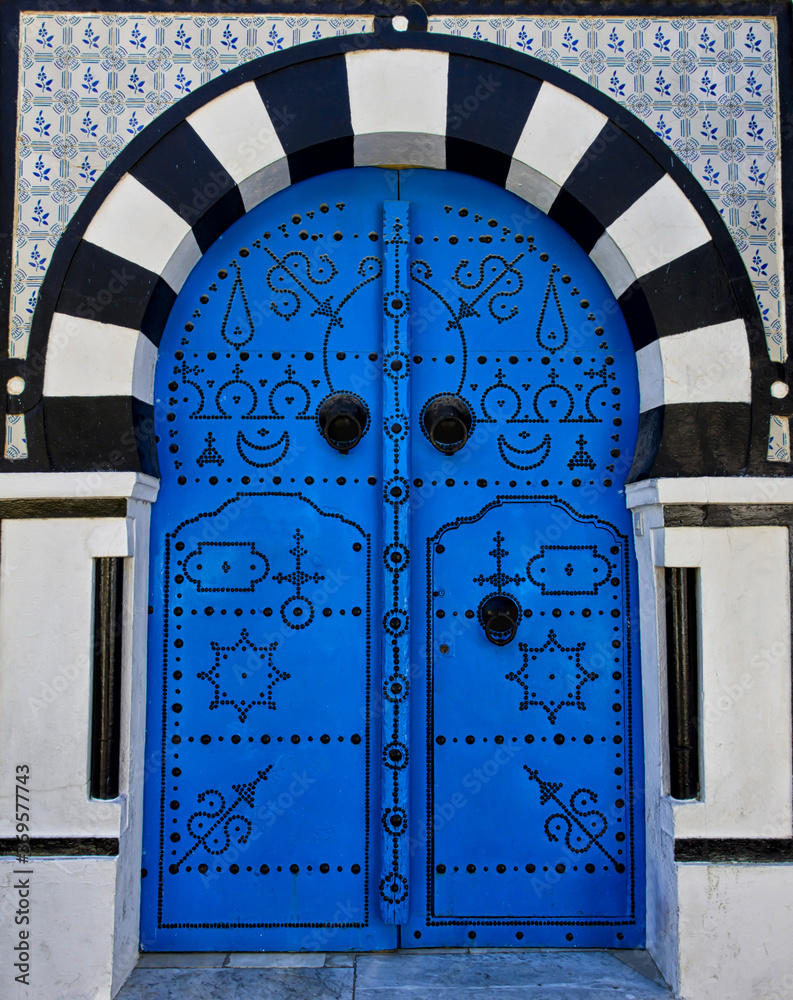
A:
x: 640, y: 961
x: 407, y: 952
x: 183, y: 960
x: 238, y: 984
x: 505, y: 969
x: 559, y: 992
x: 276, y: 960
x: 340, y: 960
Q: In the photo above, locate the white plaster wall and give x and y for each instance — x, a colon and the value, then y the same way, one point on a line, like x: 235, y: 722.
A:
x: 133, y: 767
x: 745, y: 715
x: 720, y: 931
x: 662, y: 912
x: 46, y: 635
x: 735, y: 931
x: 85, y: 911
x: 71, y: 928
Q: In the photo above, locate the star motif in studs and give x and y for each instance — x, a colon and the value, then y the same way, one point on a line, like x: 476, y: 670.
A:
x: 243, y: 675
x: 565, y: 676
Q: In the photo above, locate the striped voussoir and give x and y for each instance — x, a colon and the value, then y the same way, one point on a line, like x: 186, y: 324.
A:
x: 429, y: 101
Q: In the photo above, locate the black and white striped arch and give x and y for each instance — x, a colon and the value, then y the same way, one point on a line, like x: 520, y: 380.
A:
x: 416, y: 99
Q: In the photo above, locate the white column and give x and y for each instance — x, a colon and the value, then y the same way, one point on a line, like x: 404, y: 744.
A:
x: 83, y: 910
x: 721, y: 931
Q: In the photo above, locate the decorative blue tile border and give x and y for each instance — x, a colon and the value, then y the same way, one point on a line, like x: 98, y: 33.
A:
x: 90, y: 82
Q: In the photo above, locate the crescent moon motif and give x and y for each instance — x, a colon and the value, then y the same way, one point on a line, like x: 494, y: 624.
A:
x: 263, y: 449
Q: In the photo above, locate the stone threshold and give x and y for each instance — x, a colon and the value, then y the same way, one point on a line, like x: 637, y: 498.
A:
x: 635, y: 958
x: 428, y: 974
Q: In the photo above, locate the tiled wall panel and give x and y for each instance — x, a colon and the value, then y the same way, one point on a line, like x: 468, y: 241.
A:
x: 90, y: 82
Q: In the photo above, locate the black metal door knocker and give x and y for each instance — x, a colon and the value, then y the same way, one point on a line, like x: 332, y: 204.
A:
x: 342, y: 420
x: 448, y: 421
x: 499, y: 615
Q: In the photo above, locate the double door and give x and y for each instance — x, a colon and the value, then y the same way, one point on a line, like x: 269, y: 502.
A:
x: 392, y: 693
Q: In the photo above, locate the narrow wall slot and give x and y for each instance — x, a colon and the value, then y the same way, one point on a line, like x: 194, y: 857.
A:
x: 106, y: 707
x: 683, y: 681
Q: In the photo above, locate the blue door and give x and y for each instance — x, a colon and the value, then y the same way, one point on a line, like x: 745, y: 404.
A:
x: 393, y: 695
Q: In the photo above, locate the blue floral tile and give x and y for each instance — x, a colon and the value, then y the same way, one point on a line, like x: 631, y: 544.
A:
x: 705, y: 86
x: 91, y: 82
x: 779, y: 440
x: 16, y: 445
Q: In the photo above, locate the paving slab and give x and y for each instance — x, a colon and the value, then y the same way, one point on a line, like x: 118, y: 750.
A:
x: 639, y: 960
x: 558, y: 992
x: 340, y: 960
x: 183, y: 959
x: 238, y: 984
x: 276, y: 960
x: 420, y: 974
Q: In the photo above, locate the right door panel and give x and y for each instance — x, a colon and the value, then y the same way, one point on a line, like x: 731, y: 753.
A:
x: 527, y: 822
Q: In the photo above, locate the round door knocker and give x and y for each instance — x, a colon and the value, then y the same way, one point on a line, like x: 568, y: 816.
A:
x: 342, y: 420
x: 499, y: 615
x: 448, y: 421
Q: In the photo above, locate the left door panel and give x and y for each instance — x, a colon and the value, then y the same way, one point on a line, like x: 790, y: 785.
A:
x: 263, y: 732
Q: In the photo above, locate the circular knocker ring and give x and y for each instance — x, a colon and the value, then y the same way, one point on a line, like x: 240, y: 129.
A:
x: 499, y: 615
x: 448, y: 422
x: 342, y: 420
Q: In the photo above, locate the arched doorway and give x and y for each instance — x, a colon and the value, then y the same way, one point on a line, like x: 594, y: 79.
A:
x: 391, y: 687
x: 364, y: 100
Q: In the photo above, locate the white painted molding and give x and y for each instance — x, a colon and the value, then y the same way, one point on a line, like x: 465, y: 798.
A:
x: 733, y: 925
x: 239, y: 131
x: 710, y: 489
x: 559, y: 130
x: 77, y: 899
x: 77, y: 485
x: 398, y: 107
x: 532, y: 186
x: 112, y: 537
x: 181, y: 263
